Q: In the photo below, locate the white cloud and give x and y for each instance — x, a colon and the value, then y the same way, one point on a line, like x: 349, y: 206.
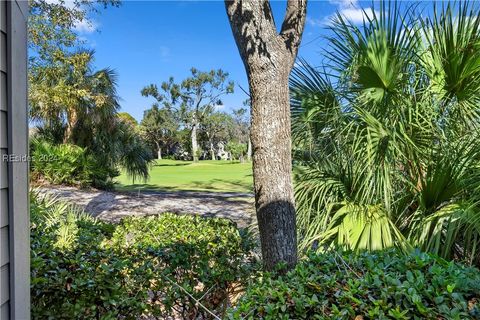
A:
x: 85, y: 26
x: 68, y: 3
x: 344, y: 3
x: 357, y: 15
x: 315, y: 22
x: 349, y: 9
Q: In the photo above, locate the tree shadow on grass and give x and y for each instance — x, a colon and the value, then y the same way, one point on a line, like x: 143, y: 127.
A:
x: 225, y: 185
x: 171, y: 164
x: 214, y: 185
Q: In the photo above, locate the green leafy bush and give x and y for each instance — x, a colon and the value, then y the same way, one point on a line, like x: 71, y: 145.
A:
x: 208, y: 258
x: 74, y: 273
x: 156, y: 266
x: 381, y: 285
x: 67, y: 164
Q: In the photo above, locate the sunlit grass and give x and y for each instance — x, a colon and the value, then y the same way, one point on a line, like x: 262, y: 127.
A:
x: 208, y: 175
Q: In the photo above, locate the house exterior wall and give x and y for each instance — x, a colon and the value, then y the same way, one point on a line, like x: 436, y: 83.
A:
x: 14, y: 210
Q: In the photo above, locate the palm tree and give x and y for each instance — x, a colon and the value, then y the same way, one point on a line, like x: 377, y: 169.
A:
x: 386, y: 134
x: 70, y: 91
x: 69, y: 94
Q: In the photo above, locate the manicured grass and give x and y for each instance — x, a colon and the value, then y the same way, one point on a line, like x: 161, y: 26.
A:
x: 171, y: 175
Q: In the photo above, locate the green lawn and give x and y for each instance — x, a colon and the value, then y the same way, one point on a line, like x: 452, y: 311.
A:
x: 171, y: 175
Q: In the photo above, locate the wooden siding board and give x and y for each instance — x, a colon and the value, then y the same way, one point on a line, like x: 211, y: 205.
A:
x: 3, y: 16
x: 4, y: 254
x: 4, y: 284
x: 3, y: 129
x: 3, y: 207
x: 3, y: 91
x: 3, y: 53
x: 3, y: 169
x: 18, y: 171
x: 4, y: 213
x: 5, y: 311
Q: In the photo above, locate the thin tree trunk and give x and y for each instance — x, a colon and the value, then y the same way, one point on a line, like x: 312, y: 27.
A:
x: 249, y: 150
x: 159, y: 151
x: 212, y: 151
x: 194, y: 143
x: 268, y: 57
x: 72, y: 119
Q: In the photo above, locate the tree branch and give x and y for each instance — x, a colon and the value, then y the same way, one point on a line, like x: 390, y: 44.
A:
x: 293, y: 24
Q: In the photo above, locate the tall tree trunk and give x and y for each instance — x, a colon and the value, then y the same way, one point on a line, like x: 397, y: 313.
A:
x: 268, y: 57
x: 272, y: 170
x: 249, y: 150
x: 194, y: 143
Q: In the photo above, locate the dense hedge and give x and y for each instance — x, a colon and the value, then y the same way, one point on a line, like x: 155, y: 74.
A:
x: 82, y: 268
x: 384, y: 285
x: 160, y: 267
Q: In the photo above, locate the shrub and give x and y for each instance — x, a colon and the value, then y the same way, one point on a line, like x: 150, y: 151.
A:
x: 381, y: 285
x: 74, y: 273
x: 67, y: 164
x: 84, y: 268
x: 209, y: 258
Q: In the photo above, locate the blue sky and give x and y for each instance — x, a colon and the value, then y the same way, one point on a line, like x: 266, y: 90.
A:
x: 146, y: 42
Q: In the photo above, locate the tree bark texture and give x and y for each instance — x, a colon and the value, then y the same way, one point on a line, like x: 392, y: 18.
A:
x: 72, y: 119
x: 268, y: 57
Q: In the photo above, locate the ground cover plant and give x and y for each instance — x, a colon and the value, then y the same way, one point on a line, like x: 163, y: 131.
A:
x: 156, y: 266
x: 207, y: 175
x: 377, y: 285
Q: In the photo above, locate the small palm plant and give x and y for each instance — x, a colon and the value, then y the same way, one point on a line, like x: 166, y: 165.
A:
x: 386, y: 134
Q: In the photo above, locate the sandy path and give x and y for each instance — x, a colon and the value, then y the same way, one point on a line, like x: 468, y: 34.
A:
x: 113, y: 206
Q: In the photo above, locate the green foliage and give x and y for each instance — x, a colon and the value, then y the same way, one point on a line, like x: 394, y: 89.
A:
x: 217, y: 127
x: 237, y: 150
x: 74, y: 273
x: 380, y: 285
x: 122, y: 147
x: 207, y: 258
x: 71, y: 93
x: 66, y: 164
x: 160, y: 127
x: 51, y: 25
x: 386, y: 139
x: 72, y: 102
x: 193, y: 99
x: 84, y: 268
x: 127, y: 118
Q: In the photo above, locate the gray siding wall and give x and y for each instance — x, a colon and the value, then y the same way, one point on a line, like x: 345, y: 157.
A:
x: 4, y: 230
x: 14, y: 211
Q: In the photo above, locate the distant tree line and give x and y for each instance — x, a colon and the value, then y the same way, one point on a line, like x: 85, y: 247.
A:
x: 185, y: 122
